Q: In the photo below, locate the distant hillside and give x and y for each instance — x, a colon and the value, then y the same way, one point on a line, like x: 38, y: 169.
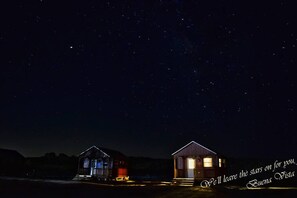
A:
x: 52, y: 166
x: 150, y: 169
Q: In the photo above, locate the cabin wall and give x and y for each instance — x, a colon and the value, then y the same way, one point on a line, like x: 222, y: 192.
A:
x: 99, y: 167
x: 105, y: 168
x: 200, y: 172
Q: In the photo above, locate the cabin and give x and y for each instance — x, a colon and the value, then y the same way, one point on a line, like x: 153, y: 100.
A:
x: 12, y: 163
x: 197, y: 162
x: 102, y: 164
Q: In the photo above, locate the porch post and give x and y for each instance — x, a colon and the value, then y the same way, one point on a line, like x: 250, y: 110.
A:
x: 174, y: 165
x: 78, y: 168
x: 185, y: 166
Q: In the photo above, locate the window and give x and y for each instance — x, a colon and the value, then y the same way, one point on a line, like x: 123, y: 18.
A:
x: 86, y: 163
x: 99, y: 164
x: 122, y: 172
x: 93, y: 163
x: 191, y: 163
x: 220, y: 162
x: 180, y: 163
x: 207, y: 162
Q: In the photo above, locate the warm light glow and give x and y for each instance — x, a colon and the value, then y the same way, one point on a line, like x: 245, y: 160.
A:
x: 207, y: 162
x: 191, y: 163
x: 122, y: 172
x: 220, y: 162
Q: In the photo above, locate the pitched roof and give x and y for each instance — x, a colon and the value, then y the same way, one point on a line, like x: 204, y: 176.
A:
x: 112, y: 153
x: 106, y: 152
x: 193, y: 142
x: 95, y: 147
x: 10, y: 153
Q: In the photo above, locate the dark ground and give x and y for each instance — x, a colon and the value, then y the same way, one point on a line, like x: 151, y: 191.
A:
x: 54, y: 188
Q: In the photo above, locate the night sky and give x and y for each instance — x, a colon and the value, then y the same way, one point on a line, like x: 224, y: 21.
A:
x: 146, y: 77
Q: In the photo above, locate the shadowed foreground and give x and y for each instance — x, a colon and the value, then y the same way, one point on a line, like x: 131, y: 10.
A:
x: 50, y: 188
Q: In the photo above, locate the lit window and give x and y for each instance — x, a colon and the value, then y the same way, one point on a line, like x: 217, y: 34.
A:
x: 86, y: 163
x: 191, y: 163
x: 93, y: 163
x: 207, y: 162
x: 220, y: 162
x: 122, y: 172
x: 99, y: 164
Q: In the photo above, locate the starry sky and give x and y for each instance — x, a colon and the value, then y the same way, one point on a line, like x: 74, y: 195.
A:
x: 147, y: 76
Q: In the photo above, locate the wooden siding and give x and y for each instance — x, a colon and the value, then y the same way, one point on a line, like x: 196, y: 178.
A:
x: 197, y: 152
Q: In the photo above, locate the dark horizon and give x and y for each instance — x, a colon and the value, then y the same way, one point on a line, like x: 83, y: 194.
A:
x: 147, y: 77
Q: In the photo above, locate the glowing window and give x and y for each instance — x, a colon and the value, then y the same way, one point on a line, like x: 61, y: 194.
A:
x: 122, y: 172
x: 93, y: 163
x: 220, y: 162
x: 191, y: 163
x: 207, y: 162
x: 99, y: 164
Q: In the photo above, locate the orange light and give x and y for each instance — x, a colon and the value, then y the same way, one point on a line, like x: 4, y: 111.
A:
x: 122, y: 172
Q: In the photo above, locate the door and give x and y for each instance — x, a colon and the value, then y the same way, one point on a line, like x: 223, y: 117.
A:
x: 190, y: 167
x: 93, y: 167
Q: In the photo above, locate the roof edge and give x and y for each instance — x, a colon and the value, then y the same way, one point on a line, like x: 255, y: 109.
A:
x: 95, y: 148
x: 196, y: 144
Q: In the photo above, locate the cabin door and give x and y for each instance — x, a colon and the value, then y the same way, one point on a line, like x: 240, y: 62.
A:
x: 190, y: 167
x: 93, y: 167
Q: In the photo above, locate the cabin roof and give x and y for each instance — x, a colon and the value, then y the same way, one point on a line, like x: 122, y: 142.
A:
x: 95, y: 147
x: 112, y: 153
x: 106, y: 152
x: 193, y: 142
x: 10, y: 153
